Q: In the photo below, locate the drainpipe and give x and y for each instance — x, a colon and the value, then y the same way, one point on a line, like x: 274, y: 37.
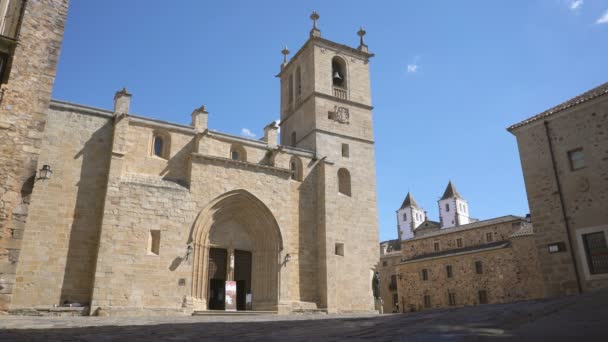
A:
x: 563, y: 207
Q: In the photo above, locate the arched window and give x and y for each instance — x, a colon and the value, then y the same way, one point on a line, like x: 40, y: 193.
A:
x: 237, y: 152
x: 404, y: 217
x: 295, y: 166
x: 293, y: 139
x: 344, y: 182
x: 338, y: 72
x: 447, y: 207
x: 298, y: 82
x: 160, y: 145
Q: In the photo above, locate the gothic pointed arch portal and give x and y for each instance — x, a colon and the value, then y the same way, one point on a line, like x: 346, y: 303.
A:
x: 238, y: 221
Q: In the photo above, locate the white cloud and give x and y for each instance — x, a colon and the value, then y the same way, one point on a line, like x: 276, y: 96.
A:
x: 278, y: 122
x: 575, y: 4
x: 412, y: 68
x: 603, y: 19
x: 246, y: 132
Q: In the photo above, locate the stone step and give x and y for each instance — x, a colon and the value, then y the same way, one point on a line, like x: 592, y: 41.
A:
x: 309, y: 311
x: 232, y: 313
x: 51, y: 311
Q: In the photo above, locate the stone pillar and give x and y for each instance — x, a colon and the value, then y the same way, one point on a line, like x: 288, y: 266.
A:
x: 199, y: 119
x: 122, y: 101
x: 271, y: 134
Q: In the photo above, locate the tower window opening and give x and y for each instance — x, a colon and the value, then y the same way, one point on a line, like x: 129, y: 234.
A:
x: 293, y: 139
x: 344, y: 182
x: 298, y: 82
x: 338, y: 72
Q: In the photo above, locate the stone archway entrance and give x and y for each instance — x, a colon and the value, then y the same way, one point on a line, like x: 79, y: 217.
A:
x: 236, y: 238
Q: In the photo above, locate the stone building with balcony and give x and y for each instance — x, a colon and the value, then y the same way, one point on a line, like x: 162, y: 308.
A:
x: 131, y: 215
x: 459, y: 260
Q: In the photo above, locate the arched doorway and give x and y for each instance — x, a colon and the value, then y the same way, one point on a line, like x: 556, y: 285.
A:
x: 236, y: 237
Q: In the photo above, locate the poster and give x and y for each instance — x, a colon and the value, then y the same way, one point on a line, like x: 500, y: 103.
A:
x: 230, y: 295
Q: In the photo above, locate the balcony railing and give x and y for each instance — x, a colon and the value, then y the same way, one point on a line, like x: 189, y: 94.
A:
x: 340, y: 93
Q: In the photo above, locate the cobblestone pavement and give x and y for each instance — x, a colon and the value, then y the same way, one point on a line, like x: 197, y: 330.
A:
x: 562, y: 319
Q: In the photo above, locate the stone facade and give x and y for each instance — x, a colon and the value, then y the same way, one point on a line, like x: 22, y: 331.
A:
x: 29, y: 49
x: 508, y: 269
x: 564, y: 157
x: 136, y: 207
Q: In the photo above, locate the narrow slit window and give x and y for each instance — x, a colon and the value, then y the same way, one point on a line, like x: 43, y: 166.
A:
x: 345, y: 151
x: 154, y: 242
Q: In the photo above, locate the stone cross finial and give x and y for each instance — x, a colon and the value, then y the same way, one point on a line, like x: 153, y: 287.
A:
x: 361, y: 34
x: 285, y: 52
x: 315, y: 32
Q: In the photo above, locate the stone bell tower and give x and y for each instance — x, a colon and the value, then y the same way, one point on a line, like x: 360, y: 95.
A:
x: 326, y: 108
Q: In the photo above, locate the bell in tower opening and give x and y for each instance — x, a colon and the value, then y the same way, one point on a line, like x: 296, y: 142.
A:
x: 338, y: 70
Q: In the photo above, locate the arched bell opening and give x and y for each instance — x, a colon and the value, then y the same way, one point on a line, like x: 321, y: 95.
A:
x: 236, y: 238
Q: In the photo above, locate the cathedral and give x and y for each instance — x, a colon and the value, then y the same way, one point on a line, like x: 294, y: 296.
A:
x: 124, y: 214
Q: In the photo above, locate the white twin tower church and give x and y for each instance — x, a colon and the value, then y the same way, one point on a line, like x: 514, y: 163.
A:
x: 453, y: 211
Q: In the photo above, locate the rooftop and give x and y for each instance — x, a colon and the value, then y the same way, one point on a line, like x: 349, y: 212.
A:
x: 584, y: 97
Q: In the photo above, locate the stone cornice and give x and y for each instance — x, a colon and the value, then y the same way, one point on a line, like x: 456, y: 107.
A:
x: 241, y: 163
x: 319, y: 41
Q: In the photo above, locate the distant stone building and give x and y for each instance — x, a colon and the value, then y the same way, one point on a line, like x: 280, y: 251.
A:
x: 459, y: 260
x: 141, y: 216
x: 564, y: 158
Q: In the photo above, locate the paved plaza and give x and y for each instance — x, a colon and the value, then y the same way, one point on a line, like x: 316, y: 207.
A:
x: 561, y: 319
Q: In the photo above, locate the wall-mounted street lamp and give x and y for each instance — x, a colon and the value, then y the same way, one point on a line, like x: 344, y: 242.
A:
x: 286, y: 259
x: 188, y: 251
x: 45, y: 172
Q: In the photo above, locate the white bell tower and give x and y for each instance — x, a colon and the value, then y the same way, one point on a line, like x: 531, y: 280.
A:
x: 409, y: 217
x: 453, y: 209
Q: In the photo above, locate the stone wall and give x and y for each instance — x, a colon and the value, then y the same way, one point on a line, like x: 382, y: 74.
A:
x: 25, y: 100
x: 61, y: 239
x: 584, y: 192
x: 509, y: 274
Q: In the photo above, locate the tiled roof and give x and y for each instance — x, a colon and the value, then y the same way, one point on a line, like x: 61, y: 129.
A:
x: 450, y: 192
x: 586, y: 96
x: 525, y: 230
x: 394, y: 244
x: 409, y: 201
x: 470, y: 249
x: 474, y: 225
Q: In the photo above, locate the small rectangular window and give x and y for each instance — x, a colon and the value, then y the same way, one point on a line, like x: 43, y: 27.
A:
x: 447, y: 207
x: 425, y: 274
x: 436, y: 246
x: 459, y: 242
x: 478, y: 267
x: 339, y: 249
x: 427, y: 301
x: 483, y: 297
x: 577, y: 159
x: 384, y: 263
x: 449, y: 271
x: 154, y: 242
x: 404, y: 217
x: 489, y: 237
x: 452, y: 298
x: 345, y: 150
x: 597, y: 252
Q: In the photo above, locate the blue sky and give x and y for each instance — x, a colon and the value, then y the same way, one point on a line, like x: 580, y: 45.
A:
x: 447, y: 79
